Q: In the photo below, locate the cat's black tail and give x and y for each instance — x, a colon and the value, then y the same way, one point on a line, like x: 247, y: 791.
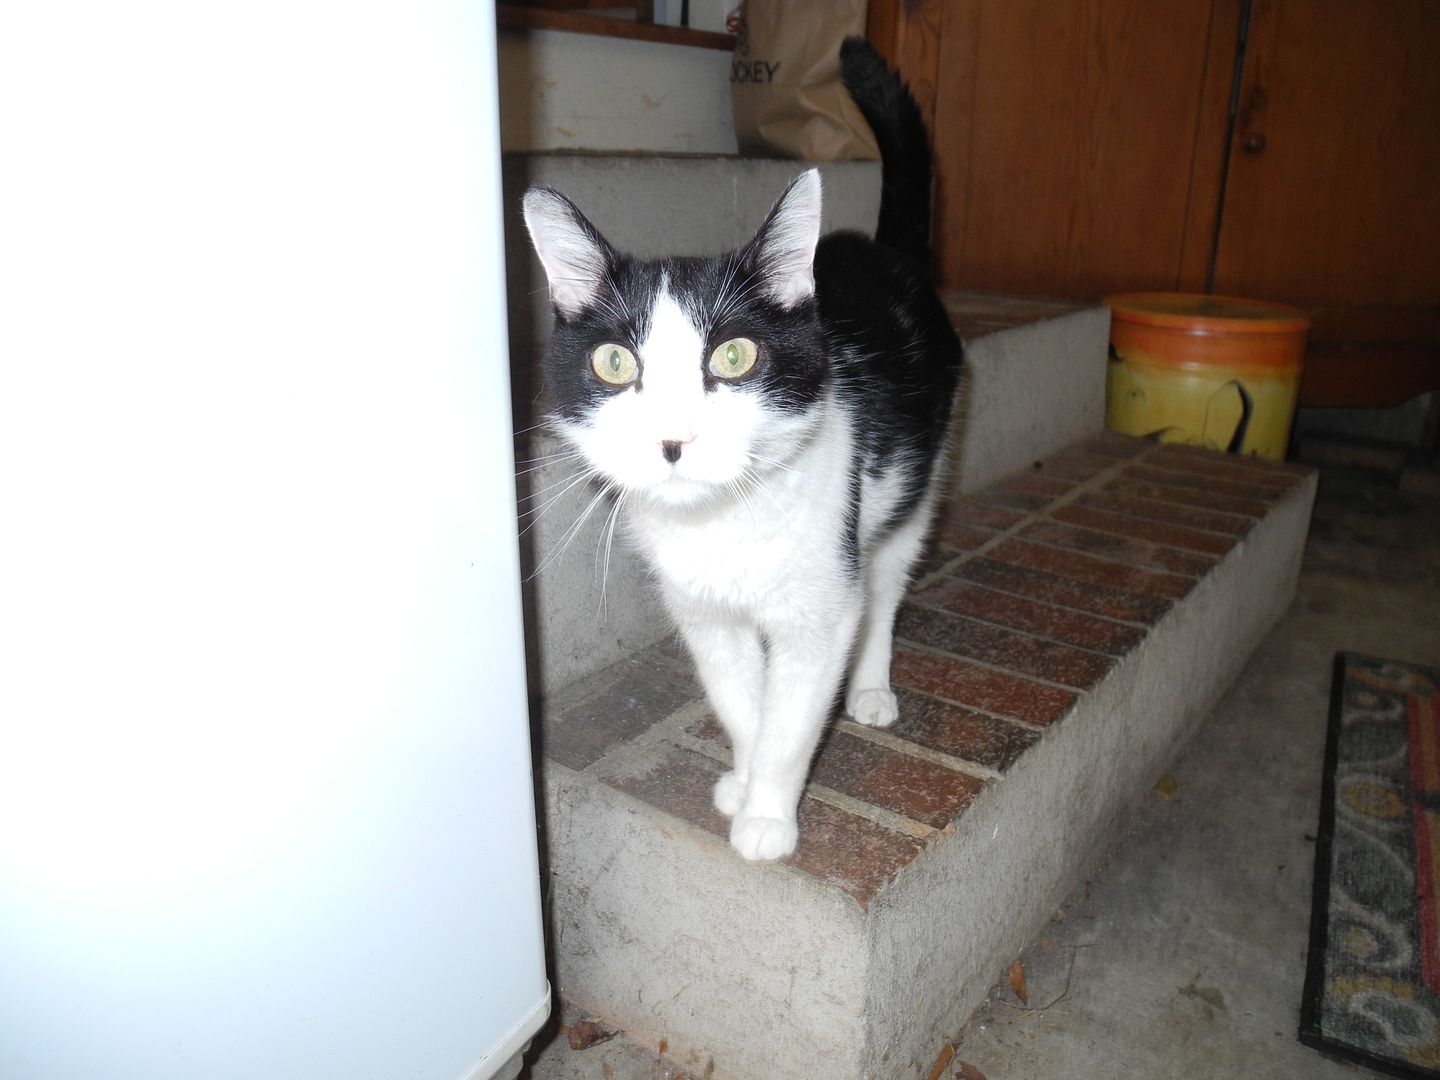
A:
x: 904, y: 149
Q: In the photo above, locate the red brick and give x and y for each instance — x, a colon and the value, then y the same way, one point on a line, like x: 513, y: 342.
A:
x: 707, y: 727
x: 1075, y: 466
x: 613, y: 707
x: 1059, y: 624
x: 852, y: 853
x: 879, y: 775
x: 1119, y: 447
x: 1036, y: 483
x: 1088, y: 568
x: 1119, y: 549
x: 682, y: 784
x: 1049, y: 589
x: 909, y: 786
x: 961, y: 733
x: 1187, y: 496
x: 1151, y: 472
x: 1026, y: 491
x: 1171, y: 514
x: 1002, y: 647
x: 976, y: 314
x: 932, y: 561
x: 1013, y: 499
x: 1238, y: 461
x: 963, y: 537
x: 1227, y: 466
x: 929, y: 722
x: 1153, y: 532
x: 981, y: 688
x: 968, y: 511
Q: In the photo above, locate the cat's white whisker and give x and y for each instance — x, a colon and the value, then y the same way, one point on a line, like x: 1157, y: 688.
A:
x: 730, y: 302
x: 582, y: 472
x: 599, y: 545
x: 763, y: 489
x: 568, y: 537
x: 540, y: 511
x: 609, y: 532
x: 732, y: 268
x: 526, y: 446
x: 619, y: 315
x: 521, y: 473
x: 749, y: 485
x: 544, y: 463
x: 557, y: 455
x: 619, y: 295
x: 774, y: 463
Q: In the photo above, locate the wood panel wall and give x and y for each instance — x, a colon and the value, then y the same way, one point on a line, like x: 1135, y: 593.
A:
x: 1080, y: 146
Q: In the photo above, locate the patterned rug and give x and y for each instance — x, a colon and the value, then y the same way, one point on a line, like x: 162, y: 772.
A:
x: 1372, y: 991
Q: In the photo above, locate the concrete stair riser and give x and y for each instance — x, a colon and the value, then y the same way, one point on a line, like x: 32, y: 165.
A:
x: 702, y: 955
x: 1028, y: 391
x: 954, y: 920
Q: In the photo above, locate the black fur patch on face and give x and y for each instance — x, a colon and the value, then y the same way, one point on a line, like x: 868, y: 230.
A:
x: 620, y: 314
x: 725, y: 299
x: 723, y: 296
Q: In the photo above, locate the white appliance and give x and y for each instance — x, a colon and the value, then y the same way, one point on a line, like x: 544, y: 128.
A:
x: 265, y: 795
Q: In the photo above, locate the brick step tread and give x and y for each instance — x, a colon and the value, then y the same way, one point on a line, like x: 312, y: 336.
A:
x: 1036, y: 588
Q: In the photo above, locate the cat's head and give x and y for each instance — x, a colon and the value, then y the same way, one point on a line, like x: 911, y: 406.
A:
x: 682, y: 378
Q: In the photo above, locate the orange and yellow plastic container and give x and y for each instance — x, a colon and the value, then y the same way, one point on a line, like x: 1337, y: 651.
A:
x: 1214, y: 371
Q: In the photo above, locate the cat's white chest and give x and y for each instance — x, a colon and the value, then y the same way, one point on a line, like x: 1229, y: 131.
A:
x: 779, y: 546
x: 736, y: 559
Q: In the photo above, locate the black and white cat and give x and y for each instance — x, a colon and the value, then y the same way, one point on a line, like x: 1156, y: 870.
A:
x: 771, y: 421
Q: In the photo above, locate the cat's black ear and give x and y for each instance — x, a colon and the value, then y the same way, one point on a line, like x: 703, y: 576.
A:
x: 575, y: 256
x: 784, y: 248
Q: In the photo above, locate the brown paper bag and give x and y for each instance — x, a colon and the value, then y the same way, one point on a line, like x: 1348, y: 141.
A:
x: 785, y: 81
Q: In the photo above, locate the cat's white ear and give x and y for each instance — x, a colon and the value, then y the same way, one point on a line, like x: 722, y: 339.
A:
x: 785, y: 245
x: 574, y: 255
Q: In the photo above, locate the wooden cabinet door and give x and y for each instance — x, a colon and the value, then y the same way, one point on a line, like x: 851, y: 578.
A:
x: 1079, y: 146
x: 1332, y: 195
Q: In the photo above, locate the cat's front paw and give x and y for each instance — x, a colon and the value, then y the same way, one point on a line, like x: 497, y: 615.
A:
x: 762, y: 837
x: 873, y: 708
x: 730, y: 794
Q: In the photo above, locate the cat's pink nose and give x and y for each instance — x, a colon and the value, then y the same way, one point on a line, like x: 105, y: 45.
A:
x: 671, y: 448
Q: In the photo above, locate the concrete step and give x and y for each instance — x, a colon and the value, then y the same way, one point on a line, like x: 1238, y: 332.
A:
x: 563, y: 90
x: 1075, y: 622
x: 1033, y: 381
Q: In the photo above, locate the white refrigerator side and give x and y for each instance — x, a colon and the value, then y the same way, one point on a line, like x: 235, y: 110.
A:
x: 516, y: 1001
x: 266, y: 806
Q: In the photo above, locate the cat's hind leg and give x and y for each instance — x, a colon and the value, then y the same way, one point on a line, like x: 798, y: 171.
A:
x: 869, y: 699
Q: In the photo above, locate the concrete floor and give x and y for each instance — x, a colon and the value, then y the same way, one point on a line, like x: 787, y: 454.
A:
x: 1185, y: 954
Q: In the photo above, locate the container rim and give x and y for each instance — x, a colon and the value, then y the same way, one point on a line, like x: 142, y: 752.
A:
x: 1264, y: 316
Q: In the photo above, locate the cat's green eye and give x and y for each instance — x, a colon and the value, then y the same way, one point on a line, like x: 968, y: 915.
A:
x: 615, y: 364
x: 733, y: 358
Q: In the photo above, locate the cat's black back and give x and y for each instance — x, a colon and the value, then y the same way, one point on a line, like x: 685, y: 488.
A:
x: 898, y: 357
